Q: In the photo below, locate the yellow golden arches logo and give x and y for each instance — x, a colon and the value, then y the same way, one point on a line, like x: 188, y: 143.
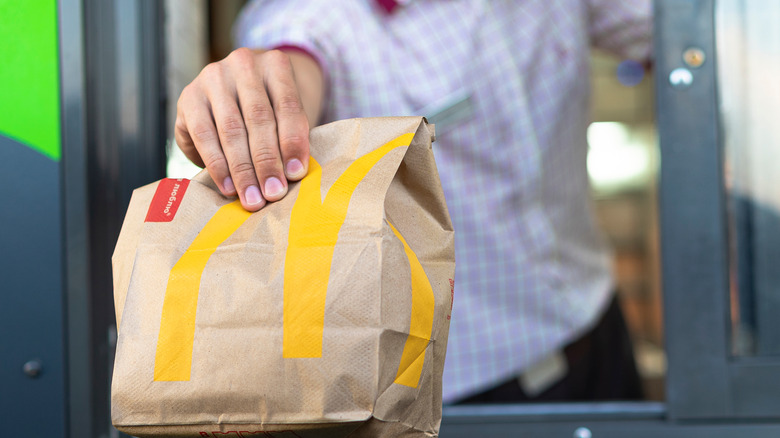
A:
x: 173, y: 359
x: 423, y: 302
x: 314, y: 229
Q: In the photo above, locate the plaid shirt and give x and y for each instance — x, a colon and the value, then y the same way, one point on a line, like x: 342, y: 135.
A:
x: 507, y: 83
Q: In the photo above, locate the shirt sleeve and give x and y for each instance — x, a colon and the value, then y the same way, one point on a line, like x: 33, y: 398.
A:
x: 302, y: 25
x: 622, y: 27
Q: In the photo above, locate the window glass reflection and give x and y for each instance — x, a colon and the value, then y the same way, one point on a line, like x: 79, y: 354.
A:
x: 748, y: 42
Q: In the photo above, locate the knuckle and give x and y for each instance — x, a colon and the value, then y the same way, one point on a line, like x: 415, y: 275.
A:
x: 202, y: 133
x: 277, y: 57
x: 242, y: 170
x: 233, y: 128
x: 212, y: 71
x: 289, y: 104
x: 265, y: 159
x: 242, y: 56
x: 259, y: 113
x: 214, y: 160
x: 292, y: 142
x: 179, y: 126
x: 241, y: 52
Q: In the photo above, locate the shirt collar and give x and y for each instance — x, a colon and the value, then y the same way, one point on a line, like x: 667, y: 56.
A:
x: 389, y: 6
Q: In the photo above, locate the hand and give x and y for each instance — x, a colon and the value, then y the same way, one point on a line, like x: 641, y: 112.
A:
x: 244, y: 119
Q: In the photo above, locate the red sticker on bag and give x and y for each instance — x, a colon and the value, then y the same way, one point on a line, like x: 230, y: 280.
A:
x: 166, y: 200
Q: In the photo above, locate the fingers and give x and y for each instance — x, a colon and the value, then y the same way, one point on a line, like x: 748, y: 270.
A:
x: 261, y: 127
x: 197, y: 137
x: 242, y: 118
x: 185, y: 142
x: 292, y: 123
x: 235, y: 145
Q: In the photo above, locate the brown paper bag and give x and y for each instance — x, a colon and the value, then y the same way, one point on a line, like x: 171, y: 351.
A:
x: 324, y: 314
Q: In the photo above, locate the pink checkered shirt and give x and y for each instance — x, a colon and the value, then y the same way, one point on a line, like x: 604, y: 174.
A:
x: 507, y: 83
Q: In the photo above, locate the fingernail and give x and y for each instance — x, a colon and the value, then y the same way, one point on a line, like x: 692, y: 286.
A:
x: 294, y: 168
x: 228, y: 186
x: 273, y: 187
x: 253, y: 196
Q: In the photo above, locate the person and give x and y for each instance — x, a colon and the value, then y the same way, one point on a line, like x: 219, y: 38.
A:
x: 507, y: 84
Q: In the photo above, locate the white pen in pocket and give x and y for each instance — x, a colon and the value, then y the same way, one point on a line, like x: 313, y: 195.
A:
x: 451, y: 109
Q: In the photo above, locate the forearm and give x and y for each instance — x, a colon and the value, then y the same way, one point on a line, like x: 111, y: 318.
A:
x: 311, y: 85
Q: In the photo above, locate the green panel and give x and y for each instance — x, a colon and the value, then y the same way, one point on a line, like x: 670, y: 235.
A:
x: 29, y: 74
